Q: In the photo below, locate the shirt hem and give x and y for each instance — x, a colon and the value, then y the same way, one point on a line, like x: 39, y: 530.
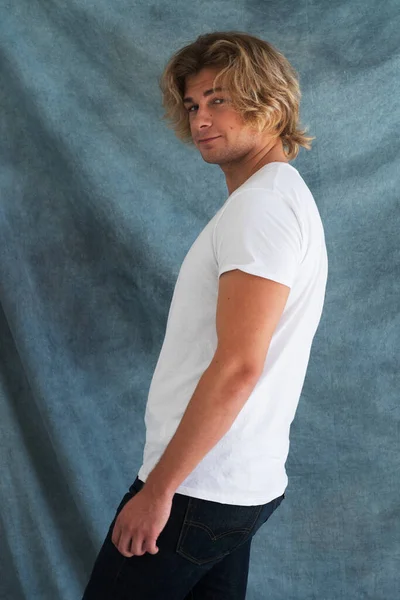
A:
x: 229, y: 498
x: 226, y: 497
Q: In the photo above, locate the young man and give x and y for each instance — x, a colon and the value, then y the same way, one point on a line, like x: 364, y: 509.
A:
x: 245, y: 309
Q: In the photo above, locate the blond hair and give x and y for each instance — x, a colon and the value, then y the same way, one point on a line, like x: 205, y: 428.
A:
x: 263, y: 85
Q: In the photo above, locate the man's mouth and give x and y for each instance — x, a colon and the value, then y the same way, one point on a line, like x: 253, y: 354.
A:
x: 209, y: 139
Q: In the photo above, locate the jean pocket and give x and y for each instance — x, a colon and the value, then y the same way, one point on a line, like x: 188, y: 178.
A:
x: 212, y: 530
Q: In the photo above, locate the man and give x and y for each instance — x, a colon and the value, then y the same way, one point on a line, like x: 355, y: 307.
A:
x: 246, y: 306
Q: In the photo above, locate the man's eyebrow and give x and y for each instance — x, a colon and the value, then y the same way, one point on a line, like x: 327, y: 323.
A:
x: 206, y: 93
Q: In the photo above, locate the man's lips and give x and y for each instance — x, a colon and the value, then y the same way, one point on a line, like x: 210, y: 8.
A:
x: 209, y: 139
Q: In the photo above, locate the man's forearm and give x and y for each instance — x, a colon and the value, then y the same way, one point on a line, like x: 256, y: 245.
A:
x: 216, y: 402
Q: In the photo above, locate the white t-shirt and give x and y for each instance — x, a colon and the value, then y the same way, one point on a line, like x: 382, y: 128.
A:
x: 270, y: 226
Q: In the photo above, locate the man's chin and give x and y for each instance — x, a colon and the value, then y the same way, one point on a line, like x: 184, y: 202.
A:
x: 210, y: 158
x: 210, y: 161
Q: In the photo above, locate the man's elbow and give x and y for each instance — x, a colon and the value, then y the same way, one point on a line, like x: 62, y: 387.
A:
x: 236, y: 368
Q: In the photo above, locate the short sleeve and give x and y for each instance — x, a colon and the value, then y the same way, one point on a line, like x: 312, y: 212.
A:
x: 258, y: 232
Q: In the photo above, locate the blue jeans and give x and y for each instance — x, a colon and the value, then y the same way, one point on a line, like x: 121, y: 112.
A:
x: 204, y: 553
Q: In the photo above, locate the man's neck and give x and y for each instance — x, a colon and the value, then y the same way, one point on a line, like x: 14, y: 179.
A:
x: 235, y: 180
x: 237, y: 175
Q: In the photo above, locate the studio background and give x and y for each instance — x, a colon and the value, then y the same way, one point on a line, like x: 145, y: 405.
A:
x: 99, y: 203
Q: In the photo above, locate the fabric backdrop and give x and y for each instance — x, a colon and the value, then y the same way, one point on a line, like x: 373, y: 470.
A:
x: 100, y: 203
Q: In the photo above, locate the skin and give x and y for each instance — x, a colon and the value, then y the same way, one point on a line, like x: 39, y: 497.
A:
x: 240, y: 151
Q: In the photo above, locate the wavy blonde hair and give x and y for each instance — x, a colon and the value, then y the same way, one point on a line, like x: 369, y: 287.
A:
x: 262, y: 84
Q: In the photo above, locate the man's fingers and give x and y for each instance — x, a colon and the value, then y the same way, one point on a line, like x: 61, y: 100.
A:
x: 128, y: 546
x: 138, y: 548
x: 122, y: 543
x: 115, y: 535
x: 151, y: 546
x: 132, y: 545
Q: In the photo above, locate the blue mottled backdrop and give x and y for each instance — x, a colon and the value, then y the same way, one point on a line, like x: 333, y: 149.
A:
x: 99, y: 205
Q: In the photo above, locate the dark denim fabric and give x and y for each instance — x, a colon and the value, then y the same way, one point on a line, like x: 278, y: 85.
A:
x: 204, y: 553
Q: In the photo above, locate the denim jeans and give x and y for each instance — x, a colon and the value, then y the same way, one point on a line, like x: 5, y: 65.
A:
x: 204, y: 553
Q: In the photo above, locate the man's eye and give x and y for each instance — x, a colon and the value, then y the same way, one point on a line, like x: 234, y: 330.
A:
x: 195, y: 105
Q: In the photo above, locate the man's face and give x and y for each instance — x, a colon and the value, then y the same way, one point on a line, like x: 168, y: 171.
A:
x: 213, y: 116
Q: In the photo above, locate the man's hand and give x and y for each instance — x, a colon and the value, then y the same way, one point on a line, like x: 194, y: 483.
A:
x: 140, y: 522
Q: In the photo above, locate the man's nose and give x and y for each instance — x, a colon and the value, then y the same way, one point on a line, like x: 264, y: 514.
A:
x: 203, y: 117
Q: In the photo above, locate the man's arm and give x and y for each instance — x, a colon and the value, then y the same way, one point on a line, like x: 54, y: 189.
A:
x: 248, y: 310
x: 215, y: 404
